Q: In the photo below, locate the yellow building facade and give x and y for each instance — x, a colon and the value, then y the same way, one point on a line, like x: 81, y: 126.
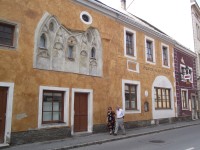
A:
x: 70, y: 57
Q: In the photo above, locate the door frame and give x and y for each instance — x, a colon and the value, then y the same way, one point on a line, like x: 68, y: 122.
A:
x: 9, y: 108
x: 194, y: 103
x: 90, y: 108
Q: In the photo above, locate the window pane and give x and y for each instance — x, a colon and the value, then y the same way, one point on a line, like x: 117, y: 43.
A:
x: 47, y: 99
x: 56, y: 106
x: 47, y: 116
x: 126, y: 87
x: 133, y: 105
x: 127, y: 105
x: 56, y: 116
x: 47, y: 106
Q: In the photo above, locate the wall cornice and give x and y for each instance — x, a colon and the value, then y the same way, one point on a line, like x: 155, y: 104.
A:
x: 123, y: 18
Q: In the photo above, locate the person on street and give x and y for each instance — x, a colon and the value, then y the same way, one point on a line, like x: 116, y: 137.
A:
x: 111, y: 120
x: 119, y: 120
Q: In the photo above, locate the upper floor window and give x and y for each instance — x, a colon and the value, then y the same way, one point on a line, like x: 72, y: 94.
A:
x: 129, y: 43
x: 43, y: 41
x: 186, y: 73
x: 150, y: 52
x: 165, y: 55
x: 162, y: 98
x: 86, y: 17
x: 93, y: 53
x: 70, y: 52
x: 7, y: 34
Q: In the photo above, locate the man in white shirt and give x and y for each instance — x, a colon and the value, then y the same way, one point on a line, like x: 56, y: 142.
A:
x: 119, y: 120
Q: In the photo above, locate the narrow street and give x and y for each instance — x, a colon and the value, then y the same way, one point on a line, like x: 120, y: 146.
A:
x: 179, y: 139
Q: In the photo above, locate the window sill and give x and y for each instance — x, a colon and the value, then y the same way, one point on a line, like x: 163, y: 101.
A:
x: 43, y: 48
x: 163, y: 108
x: 132, y: 111
x: 70, y: 58
x: 150, y: 62
x: 7, y: 47
x: 93, y: 58
x: 130, y: 56
x: 51, y: 125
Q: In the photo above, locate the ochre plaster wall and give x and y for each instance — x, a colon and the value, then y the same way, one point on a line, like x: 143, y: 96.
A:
x: 17, y: 65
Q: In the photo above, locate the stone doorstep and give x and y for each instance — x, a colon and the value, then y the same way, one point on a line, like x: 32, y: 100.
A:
x: 4, y: 146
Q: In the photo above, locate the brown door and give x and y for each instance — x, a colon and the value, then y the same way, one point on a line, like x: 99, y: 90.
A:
x: 80, y: 112
x: 3, y: 101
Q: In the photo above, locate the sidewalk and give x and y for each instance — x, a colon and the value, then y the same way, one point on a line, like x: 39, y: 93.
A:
x: 91, y: 139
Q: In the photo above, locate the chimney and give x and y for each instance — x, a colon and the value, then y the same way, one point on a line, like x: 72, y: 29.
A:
x: 123, y: 4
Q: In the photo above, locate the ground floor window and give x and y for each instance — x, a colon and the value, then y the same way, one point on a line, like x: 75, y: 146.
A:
x: 162, y: 98
x: 184, y: 99
x: 53, y: 102
x: 130, y: 96
x: 53, y: 108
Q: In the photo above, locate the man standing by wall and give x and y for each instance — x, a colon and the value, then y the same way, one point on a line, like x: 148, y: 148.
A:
x: 119, y: 120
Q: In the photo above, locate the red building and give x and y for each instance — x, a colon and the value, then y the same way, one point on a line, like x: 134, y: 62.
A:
x: 186, y: 82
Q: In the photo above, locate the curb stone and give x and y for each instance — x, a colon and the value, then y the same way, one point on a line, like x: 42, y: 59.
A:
x: 122, y: 137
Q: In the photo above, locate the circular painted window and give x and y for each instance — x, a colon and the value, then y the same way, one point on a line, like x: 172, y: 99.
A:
x: 86, y: 17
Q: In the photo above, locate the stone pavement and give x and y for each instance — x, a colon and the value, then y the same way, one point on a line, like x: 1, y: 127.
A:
x: 99, y: 138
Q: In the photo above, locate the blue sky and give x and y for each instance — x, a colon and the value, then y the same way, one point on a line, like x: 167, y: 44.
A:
x: 171, y: 16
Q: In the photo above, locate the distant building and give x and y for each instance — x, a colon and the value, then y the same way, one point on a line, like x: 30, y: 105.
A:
x: 195, y: 13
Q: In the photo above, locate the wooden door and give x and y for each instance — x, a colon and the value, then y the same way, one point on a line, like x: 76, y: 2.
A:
x: 3, y: 101
x: 80, y: 112
x: 194, y: 108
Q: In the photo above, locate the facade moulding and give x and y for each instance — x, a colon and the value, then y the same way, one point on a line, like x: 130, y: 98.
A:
x: 183, y: 49
x: 123, y: 18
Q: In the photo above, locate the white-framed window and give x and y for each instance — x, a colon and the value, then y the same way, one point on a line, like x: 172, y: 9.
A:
x: 53, y: 107
x: 150, y: 50
x: 131, y: 96
x: 86, y: 17
x: 162, y: 98
x: 184, y: 99
x: 130, y: 43
x: 165, y: 55
x: 186, y: 71
x: 8, y: 34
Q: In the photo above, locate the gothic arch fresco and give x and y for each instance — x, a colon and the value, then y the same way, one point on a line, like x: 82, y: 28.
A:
x: 67, y: 50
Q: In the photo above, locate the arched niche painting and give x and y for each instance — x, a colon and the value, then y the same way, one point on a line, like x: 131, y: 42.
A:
x: 62, y: 49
